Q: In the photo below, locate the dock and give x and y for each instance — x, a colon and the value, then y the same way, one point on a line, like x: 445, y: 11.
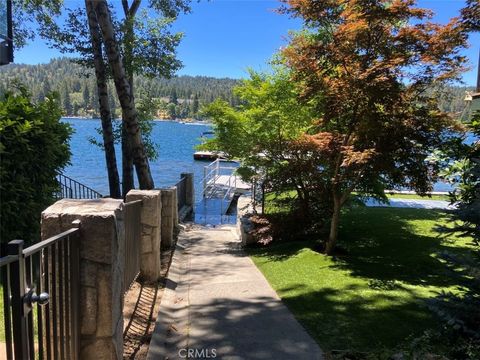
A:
x: 221, y: 185
x: 235, y: 181
x: 208, y: 155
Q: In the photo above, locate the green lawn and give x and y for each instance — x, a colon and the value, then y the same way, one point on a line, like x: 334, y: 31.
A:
x: 372, y: 297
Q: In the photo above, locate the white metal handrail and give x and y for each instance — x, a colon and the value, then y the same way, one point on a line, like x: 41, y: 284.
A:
x: 211, y: 173
x: 229, y: 190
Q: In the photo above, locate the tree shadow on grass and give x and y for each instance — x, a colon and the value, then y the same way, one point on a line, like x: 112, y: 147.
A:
x: 361, y: 323
x: 387, y: 252
x: 280, y: 251
x: 395, y: 245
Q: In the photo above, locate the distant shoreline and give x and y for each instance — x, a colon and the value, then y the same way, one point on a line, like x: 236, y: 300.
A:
x: 181, y: 121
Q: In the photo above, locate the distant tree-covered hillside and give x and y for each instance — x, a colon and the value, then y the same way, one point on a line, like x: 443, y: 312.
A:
x: 453, y: 99
x: 179, y: 97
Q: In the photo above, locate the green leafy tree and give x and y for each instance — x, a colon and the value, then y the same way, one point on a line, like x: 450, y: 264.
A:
x: 172, y: 111
x: 66, y: 103
x: 458, y: 311
x: 62, y: 72
x: 195, y: 105
x: 86, y: 97
x: 460, y: 161
x: 173, y: 97
x: 120, y: 47
x: 471, y: 15
x: 26, y: 13
x: 260, y: 131
x: 366, y: 65
x: 33, y: 149
x: 147, y: 108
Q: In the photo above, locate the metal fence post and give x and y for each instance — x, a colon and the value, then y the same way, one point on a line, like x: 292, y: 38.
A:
x: 74, y: 289
x: 19, y: 309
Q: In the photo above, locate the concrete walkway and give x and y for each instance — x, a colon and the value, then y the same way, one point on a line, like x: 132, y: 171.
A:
x: 217, y: 304
x: 412, y: 203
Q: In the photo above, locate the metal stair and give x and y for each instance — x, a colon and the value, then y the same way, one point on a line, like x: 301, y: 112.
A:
x: 219, y: 186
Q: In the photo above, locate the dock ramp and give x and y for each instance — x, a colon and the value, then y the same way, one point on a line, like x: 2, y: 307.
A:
x: 220, y: 185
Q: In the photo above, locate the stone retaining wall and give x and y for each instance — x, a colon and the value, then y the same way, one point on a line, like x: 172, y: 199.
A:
x: 245, y: 209
x: 151, y: 223
x: 169, y: 216
x: 102, y: 257
x: 101, y: 270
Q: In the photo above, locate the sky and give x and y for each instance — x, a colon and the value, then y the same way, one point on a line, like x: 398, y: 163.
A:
x: 223, y: 38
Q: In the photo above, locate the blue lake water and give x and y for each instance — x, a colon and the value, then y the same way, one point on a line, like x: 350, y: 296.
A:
x: 176, y: 143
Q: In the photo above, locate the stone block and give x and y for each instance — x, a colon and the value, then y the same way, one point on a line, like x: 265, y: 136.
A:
x: 51, y: 224
x: 151, y: 222
x: 88, y: 274
x: 156, y: 240
x: 245, y: 209
x: 88, y: 310
x: 106, y: 300
x: 147, y: 230
x: 102, y: 255
x: 150, y: 267
x: 102, y: 238
x: 118, y: 338
x: 169, y: 206
x: 175, y: 209
x: 99, y: 349
x: 146, y: 244
x: 151, y: 205
x: 98, y: 224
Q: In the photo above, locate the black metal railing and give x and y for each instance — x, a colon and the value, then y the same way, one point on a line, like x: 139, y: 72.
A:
x: 72, y: 189
x: 181, y: 187
x: 41, y: 299
x: 132, y: 242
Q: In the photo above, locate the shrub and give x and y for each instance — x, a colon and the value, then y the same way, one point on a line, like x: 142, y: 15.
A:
x: 459, y: 312
x: 33, y: 149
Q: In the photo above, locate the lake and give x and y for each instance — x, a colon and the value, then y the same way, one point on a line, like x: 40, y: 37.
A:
x: 176, y: 144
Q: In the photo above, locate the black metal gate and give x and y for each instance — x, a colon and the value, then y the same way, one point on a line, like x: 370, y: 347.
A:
x: 41, y: 299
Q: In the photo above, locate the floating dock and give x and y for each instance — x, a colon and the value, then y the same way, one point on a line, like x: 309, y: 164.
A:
x: 208, y: 155
x: 234, y: 181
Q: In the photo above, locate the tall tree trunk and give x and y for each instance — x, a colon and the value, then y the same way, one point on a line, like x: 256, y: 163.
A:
x: 122, y: 86
x: 105, y: 114
x: 127, y: 162
x: 127, y: 159
x: 332, y: 238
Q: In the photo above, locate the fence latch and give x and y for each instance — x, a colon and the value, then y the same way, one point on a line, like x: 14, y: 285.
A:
x: 31, y: 298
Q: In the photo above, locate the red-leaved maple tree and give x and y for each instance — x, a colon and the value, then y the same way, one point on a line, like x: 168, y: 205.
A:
x: 371, y: 68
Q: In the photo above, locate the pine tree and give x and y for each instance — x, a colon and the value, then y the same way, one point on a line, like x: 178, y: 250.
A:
x: 195, y: 105
x: 86, y: 97
x: 67, y: 105
x: 173, y: 97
